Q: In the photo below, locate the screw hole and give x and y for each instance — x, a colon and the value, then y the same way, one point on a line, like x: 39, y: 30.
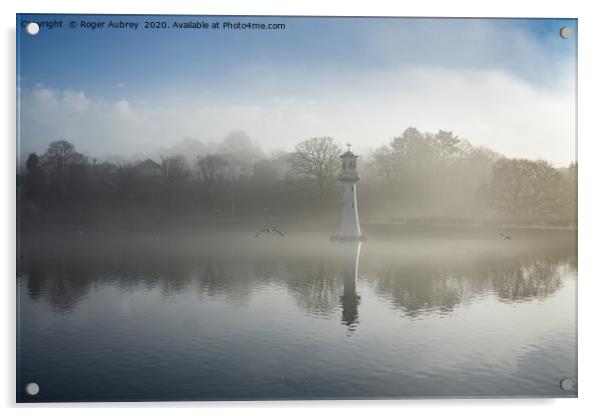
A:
x: 32, y: 28
x: 32, y: 389
x: 565, y: 32
x: 566, y: 384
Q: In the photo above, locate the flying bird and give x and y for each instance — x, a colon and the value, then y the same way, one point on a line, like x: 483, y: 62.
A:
x: 507, y: 237
x: 269, y: 230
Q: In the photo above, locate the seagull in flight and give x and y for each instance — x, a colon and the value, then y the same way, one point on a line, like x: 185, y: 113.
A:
x: 269, y: 230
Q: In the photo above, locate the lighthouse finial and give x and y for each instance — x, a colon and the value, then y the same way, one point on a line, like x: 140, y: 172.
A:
x: 348, y: 146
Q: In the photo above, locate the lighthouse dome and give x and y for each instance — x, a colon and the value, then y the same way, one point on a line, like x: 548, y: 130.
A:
x: 348, y: 155
x: 349, y: 167
x: 350, y: 226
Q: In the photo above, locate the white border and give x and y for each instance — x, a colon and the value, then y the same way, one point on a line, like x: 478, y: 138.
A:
x: 590, y: 189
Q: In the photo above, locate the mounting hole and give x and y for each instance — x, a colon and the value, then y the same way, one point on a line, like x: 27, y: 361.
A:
x: 32, y: 389
x: 566, y: 384
x: 32, y: 28
x: 565, y: 32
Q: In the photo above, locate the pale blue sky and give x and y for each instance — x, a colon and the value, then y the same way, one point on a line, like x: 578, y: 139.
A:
x: 282, y: 85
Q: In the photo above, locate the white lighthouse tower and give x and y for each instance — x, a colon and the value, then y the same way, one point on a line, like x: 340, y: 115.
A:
x: 350, y: 225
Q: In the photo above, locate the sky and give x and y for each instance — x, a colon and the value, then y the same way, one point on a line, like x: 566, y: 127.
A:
x: 508, y: 84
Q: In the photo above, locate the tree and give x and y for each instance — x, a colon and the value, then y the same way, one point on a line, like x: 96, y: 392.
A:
x: 383, y: 163
x: 173, y: 168
x: 446, y: 146
x: 189, y: 147
x: 34, y: 178
x: 413, y: 157
x: 174, y: 173
x: 212, y: 171
x: 525, y: 190
x: 568, y: 196
x: 238, y: 144
x: 126, y: 175
x: 413, y: 150
x: 264, y: 172
x: 318, y: 158
x: 57, y: 162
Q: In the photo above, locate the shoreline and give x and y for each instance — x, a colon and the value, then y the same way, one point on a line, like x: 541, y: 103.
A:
x: 152, y: 223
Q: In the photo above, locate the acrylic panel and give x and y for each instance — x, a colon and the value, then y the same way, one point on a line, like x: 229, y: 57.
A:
x: 291, y: 208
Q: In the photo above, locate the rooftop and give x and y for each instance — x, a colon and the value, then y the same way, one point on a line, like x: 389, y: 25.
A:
x: 148, y: 163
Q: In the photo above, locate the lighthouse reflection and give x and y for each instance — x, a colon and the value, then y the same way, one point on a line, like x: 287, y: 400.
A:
x: 350, y: 254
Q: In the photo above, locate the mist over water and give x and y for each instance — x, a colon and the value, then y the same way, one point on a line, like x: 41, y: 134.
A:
x: 204, y: 310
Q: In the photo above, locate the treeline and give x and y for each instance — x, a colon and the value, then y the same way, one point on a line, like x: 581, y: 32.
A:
x: 439, y: 175
x: 416, y: 176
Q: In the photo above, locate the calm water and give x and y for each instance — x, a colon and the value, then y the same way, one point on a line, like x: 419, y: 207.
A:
x: 212, y: 313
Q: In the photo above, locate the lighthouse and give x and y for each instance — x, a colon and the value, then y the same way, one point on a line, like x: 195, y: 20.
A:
x: 350, y: 254
x: 350, y: 225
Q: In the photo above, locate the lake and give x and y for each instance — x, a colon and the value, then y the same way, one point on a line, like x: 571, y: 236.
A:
x: 208, y: 312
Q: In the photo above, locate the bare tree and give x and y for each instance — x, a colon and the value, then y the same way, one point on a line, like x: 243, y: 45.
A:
x: 174, y: 172
x: 318, y: 158
x: 57, y: 163
x: 173, y: 168
x: 212, y: 170
x: 126, y: 175
x: 383, y: 164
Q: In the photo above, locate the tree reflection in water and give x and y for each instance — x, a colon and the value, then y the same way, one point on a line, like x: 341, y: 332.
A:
x: 62, y: 270
x: 423, y: 287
